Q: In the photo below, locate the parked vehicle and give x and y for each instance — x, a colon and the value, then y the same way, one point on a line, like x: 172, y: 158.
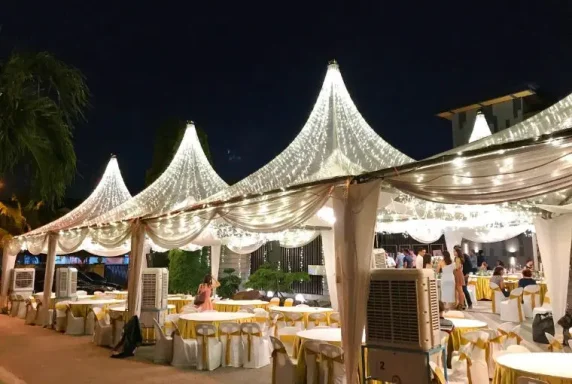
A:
x: 84, y: 283
x: 98, y: 279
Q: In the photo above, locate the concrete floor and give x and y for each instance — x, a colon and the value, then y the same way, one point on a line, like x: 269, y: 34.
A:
x: 33, y: 355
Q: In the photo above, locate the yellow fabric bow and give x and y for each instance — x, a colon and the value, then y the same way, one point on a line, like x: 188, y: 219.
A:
x: 511, y: 335
x: 249, y: 340
x: 555, y: 345
x: 439, y: 375
x: 205, y: 351
x: 518, y: 305
x: 497, y: 289
x: 228, y: 343
x: 462, y: 357
x: 330, y: 362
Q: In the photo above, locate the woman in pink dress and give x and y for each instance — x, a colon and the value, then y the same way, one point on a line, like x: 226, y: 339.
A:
x: 207, y: 288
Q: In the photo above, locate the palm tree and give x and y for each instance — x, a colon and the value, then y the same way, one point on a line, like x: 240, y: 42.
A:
x: 40, y: 100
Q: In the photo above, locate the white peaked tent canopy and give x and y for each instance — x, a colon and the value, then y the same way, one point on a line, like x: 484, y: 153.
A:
x: 481, y: 128
x: 109, y: 193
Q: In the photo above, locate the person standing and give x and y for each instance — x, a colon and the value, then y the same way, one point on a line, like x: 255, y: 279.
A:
x: 205, y: 292
x: 466, y: 270
x: 408, y: 260
x: 459, y: 282
x: 474, y: 261
x: 480, y: 258
x: 446, y: 268
x: 400, y: 259
x: 419, y: 260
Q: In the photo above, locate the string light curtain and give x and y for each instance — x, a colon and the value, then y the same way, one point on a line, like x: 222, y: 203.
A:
x: 335, y: 141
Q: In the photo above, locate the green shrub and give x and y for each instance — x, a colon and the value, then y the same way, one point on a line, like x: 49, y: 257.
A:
x: 229, y: 284
x: 187, y: 270
x: 269, y: 278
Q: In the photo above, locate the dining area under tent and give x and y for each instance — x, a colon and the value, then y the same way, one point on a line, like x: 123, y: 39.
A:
x: 337, y: 186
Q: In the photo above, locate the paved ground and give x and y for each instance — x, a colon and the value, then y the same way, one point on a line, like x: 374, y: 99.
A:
x: 33, y: 355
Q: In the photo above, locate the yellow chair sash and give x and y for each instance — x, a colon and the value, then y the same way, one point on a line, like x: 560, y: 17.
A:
x: 290, y: 339
x: 330, y: 362
x: 439, y: 375
x: 546, y: 300
x: 249, y: 340
x: 510, y: 335
x: 497, y: 289
x: 532, y: 298
x: 555, y: 345
x: 228, y: 343
x: 205, y: 351
x: 518, y: 305
x: 463, y: 357
x: 317, y: 370
x: 275, y: 361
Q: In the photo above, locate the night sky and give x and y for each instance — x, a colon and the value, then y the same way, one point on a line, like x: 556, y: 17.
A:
x: 249, y: 73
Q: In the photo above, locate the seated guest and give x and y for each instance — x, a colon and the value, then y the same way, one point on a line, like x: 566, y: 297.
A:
x: 499, y: 280
x: 529, y: 265
x: 526, y: 279
x: 484, y: 266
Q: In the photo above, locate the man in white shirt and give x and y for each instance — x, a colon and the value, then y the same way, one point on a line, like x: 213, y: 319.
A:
x: 419, y: 260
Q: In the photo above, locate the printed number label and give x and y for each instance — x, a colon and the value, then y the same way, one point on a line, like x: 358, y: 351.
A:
x: 382, y: 365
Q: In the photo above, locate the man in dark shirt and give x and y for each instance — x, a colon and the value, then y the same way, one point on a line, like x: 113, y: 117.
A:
x: 480, y: 258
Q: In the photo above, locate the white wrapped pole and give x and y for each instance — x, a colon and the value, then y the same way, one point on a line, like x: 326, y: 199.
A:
x: 136, y: 263
x: 355, y: 209
x: 49, y: 277
x: 328, y: 247
x: 8, y: 262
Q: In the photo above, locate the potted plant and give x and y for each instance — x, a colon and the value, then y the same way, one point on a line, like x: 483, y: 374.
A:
x: 269, y: 278
x: 229, y: 284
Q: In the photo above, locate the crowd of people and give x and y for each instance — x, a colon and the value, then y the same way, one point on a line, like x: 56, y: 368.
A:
x: 455, y: 270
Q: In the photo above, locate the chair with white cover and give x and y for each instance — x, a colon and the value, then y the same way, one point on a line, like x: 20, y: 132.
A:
x: 261, y: 318
x: 102, y: 331
x: 554, y: 345
x: 332, y: 369
x: 276, y: 322
x: 171, y: 321
x: 311, y: 352
x: 439, y: 375
x: 511, y: 309
x: 335, y: 320
x: 32, y: 313
x: 545, y: 308
x: 275, y: 301
x: 232, y: 350
x: 302, y: 306
x: 22, y: 308
x: 81, y: 293
x: 530, y: 380
x: 256, y: 346
x: 90, y: 321
x: 209, y: 348
x: 477, y: 358
x: 498, y: 297
x: 189, y: 309
x: 317, y: 320
x: 163, y: 351
x: 511, y: 333
x: 14, y: 304
x: 471, y: 288
x: 531, y: 298
x: 117, y: 321
x: 185, y: 351
x: 289, y: 302
x: 294, y: 319
x: 61, y: 317
x: 287, y: 336
x: 283, y: 368
x: 75, y: 326
x: 98, y: 293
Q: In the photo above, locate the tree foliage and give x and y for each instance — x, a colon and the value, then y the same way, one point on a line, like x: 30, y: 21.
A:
x: 269, y: 278
x: 167, y: 140
x: 229, y: 284
x: 187, y: 270
x: 40, y: 100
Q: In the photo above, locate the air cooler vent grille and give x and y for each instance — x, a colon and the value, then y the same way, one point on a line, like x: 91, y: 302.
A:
x: 379, y: 260
x: 73, y: 282
x: 24, y: 279
x: 392, y: 312
x: 149, y: 290
x: 434, y: 298
x: 63, y: 283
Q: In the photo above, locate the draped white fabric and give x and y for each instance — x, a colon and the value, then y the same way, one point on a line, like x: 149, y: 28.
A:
x: 136, y: 263
x: 49, y: 275
x: 177, y: 231
x: 215, y: 260
x: 452, y: 238
x: 329, y: 250
x: 493, y: 235
x: 354, y: 231
x: 238, y: 248
x: 8, y: 262
x: 554, y: 241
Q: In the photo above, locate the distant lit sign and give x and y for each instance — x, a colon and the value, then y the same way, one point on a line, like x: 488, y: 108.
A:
x: 316, y: 270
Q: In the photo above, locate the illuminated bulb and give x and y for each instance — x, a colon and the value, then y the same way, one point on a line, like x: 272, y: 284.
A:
x: 327, y: 214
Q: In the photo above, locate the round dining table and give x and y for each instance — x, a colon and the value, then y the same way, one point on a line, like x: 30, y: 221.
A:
x: 237, y: 305
x: 553, y: 368
x: 188, y: 321
x: 81, y: 308
x: 463, y: 326
x: 179, y: 302
x: 305, y: 311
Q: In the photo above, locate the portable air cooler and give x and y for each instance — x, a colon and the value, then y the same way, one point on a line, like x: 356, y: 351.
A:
x: 378, y: 259
x: 22, y: 280
x: 66, y: 283
x: 155, y: 290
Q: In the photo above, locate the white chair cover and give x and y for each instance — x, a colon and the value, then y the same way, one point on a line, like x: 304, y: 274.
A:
x: 283, y: 369
x: 332, y: 369
x: 14, y: 305
x: 81, y: 293
x: 256, y: 346
x: 102, y: 331
x: 511, y: 333
x: 75, y: 325
x: 498, y: 297
x: 232, y: 350
x: 163, y: 352
x: 209, y: 348
x: 335, y: 320
x: 22, y: 308
x: 276, y: 323
x: 511, y: 309
x: 473, y: 293
x: 287, y: 336
x: 531, y: 298
x: 185, y: 351
x: 170, y: 323
x: 275, y: 301
x: 317, y: 320
x: 295, y: 319
x: 117, y: 325
x: 311, y: 358
x: 90, y: 321
x: 61, y: 319
x: 32, y: 313
x: 554, y: 345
